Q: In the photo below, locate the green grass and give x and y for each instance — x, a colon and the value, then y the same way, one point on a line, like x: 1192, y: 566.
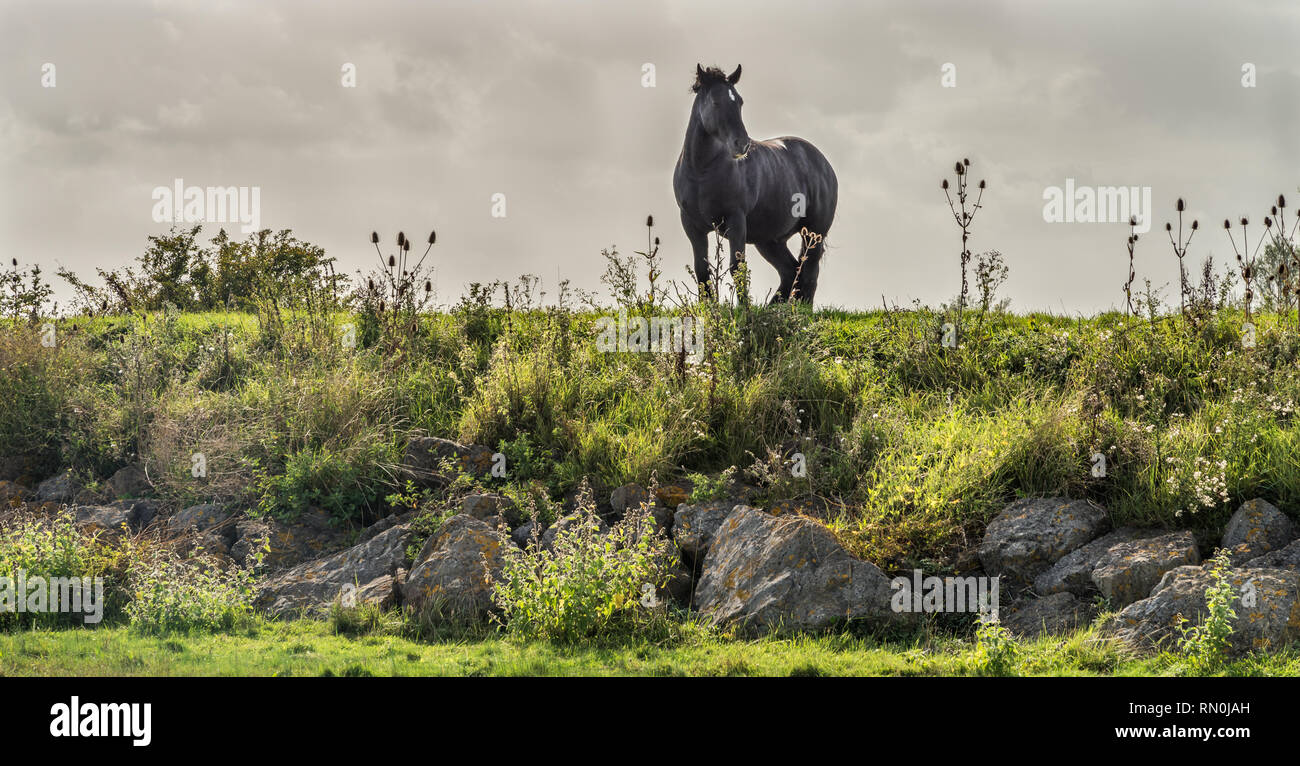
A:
x: 311, y: 648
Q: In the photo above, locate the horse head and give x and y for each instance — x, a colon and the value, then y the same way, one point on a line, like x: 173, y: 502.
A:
x: 717, y: 107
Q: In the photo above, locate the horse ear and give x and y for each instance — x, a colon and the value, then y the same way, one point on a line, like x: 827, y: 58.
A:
x: 699, y: 71
x: 734, y: 77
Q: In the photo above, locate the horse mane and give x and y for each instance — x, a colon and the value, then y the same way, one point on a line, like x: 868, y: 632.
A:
x: 711, y: 75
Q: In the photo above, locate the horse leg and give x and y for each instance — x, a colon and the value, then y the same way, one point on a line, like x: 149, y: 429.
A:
x: 736, y: 232
x: 809, y: 268
x: 699, y: 239
x: 777, y: 253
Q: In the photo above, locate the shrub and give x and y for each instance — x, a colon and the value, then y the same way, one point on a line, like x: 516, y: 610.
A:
x: 995, y: 649
x: 50, y: 547
x: 1206, y: 645
x: 591, y: 585
x: 171, y: 594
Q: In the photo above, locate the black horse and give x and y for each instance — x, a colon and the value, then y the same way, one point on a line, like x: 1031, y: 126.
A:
x: 760, y: 192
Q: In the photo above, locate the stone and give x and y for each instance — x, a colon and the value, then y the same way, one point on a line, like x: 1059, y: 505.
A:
x: 60, y: 488
x: 1055, y: 614
x: 566, y: 523
x: 523, y: 534
x: 307, y: 536
x: 1030, y: 535
x: 107, y: 520
x: 485, y: 506
x: 424, y: 458
x: 1283, y: 558
x: 627, y: 496
x: 1128, y: 571
x: 765, y: 574
x: 313, y: 586
x: 1268, y: 621
x: 1255, y: 529
x: 128, y: 482
x: 695, y: 525
x: 452, y: 574
x: 1072, y: 573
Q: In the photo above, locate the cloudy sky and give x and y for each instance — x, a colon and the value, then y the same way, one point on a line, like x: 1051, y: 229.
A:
x: 544, y: 102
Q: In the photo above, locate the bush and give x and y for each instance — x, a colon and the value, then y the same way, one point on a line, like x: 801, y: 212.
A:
x: 1206, y: 645
x: 170, y: 594
x: 50, y: 548
x: 591, y: 585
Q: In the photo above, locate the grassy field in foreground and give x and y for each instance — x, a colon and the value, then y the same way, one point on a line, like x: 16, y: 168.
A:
x: 312, y: 648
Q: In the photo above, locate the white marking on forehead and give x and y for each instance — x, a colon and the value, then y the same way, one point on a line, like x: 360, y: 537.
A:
x: 732, y: 93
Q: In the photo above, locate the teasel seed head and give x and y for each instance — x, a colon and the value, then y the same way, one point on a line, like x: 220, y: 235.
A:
x: 1195, y: 224
x: 1169, y: 226
x: 401, y: 238
x: 433, y: 237
x: 981, y: 183
x: 374, y: 237
x: 391, y: 261
x: 1245, y: 221
x: 945, y: 183
x: 1227, y: 224
x: 428, y: 286
x: 649, y: 220
x: 1181, y: 206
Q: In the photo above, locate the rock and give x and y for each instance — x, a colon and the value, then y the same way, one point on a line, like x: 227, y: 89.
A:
x: 200, y: 518
x: 382, y: 592
x: 11, y: 494
x: 1255, y: 529
x: 695, y: 525
x: 386, y: 523
x: 679, y: 586
x: 627, y: 496
x: 1283, y: 558
x: 108, y: 520
x: 806, y: 505
x: 1060, y: 612
x: 1073, y: 572
x: 769, y: 574
x: 485, y: 506
x: 140, y: 512
x: 311, y: 535
x: 523, y: 534
x: 60, y: 488
x: 311, y: 587
x: 672, y: 495
x: 128, y: 482
x: 1128, y: 571
x: 452, y: 575
x: 423, y: 461
x: 566, y: 523
x: 1030, y: 535
x: 1267, y: 621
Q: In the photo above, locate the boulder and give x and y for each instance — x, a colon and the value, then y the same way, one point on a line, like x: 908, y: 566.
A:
x: 627, y: 496
x: 11, y: 494
x: 60, y: 488
x: 1030, y: 535
x: 486, y: 506
x: 565, y: 523
x: 201, y: 518
x: 313, y: 586
x: 672, y: 495
x: 140, y: 512
x: 310, y: 535
x: 1283, y: 558
x: 1255, y: 529
x: 110, y: 521
x: 1060, y: 612
x: 523, y: 534
x: 695, y: 525
x: 425, y: 456
x: 1268, y: 619
x: 128, y: 482
x: 1072, y: 573
x: 765, y: 573
x: 1128, y: 571
x: 452, y: 575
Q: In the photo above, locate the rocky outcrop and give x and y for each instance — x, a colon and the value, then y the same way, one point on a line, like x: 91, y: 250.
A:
x: 128, y: 482
x: 1128, y: 571
x: 1267, y: 605
x: 310, y: 535
x: 764, y: 573
x: 312, y: 587
x: 1030, y: 535
x: 452, y: 574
